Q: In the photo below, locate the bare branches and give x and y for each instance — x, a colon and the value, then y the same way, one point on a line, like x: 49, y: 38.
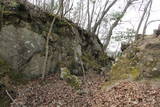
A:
x: 142, y: 18
x: 102, y: 16
x: 88, y: 13
x: 116, y: 23
x: 69, y: 9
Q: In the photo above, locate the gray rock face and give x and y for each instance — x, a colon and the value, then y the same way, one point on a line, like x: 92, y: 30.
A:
x: 34, y: 67
x: 19, y: 45
x: 22, y: 42
x: 23, y: 49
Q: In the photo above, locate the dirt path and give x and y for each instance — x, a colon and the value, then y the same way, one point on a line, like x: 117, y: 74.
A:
x: 54, y: 92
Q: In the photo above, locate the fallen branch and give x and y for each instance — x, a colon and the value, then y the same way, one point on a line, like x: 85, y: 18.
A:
x: 10, y: 97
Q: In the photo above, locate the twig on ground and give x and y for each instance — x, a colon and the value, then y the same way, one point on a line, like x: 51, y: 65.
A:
x: 10, y: 97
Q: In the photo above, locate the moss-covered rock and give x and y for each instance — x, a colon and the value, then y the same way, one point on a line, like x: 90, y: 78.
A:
x: 90, y: 62
x: 101, y: 64
x: 72, y: 80
x: 140, y: 61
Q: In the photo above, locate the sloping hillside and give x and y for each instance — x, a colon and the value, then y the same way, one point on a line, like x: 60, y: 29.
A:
x: 78, y: 71
x: 126, y: 84
x: 23, y: 33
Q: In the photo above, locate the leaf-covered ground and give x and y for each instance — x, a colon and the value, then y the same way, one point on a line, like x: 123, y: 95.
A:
x: 54, y: 92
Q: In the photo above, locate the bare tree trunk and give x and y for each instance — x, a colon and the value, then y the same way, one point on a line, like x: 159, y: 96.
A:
x: 149, y: 12
x: 44, y: 4
x: 102, y: 16
x: 92, y: 15
x: 98, y: 15
x: 52, y: 4
x: 82, y: 13
x: 79, y: 16
x: 116, y: 23
x: 67, y: 7
x: 141, y: 4
x: 61, y: 7
x: 104, y: 8
x: 36, y: 2
x: 47, y: 45
x: 140, y: 23
x: 68, y: 10
x: 88, y: 13
x: 84, y: 21
x: 97, y: 33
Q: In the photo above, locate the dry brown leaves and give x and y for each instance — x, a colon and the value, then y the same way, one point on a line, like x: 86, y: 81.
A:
x: 54, y: 92
x: 128, y: 94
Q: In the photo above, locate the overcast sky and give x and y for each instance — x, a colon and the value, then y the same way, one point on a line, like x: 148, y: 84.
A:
x: 134, y: 17
x: 155, y: 14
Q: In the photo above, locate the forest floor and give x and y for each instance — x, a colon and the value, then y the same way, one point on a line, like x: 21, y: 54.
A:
x: 54, y: 92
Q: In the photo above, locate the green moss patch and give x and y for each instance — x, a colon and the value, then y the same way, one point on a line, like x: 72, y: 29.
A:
x: 126, y: 67
x: 138, y: 62
x: 72, y: 80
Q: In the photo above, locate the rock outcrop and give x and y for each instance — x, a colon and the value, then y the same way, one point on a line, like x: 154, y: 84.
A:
x: 23, y: 32
x: 141, y: 60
